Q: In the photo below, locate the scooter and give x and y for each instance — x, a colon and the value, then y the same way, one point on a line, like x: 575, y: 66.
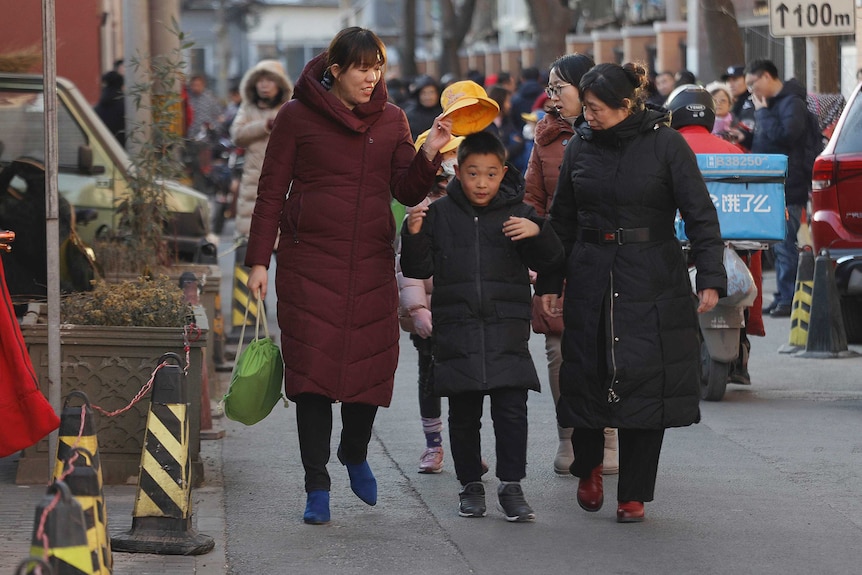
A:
x: 723, y: 347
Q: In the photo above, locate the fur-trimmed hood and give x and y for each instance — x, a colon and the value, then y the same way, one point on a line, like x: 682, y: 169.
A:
x: 276, y: 70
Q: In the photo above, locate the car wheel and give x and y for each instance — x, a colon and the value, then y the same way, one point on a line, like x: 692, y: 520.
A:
x: 851, y: 313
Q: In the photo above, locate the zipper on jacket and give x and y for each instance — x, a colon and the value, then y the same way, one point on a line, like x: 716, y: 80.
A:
x: 612, y: 395
x: 479, y: 291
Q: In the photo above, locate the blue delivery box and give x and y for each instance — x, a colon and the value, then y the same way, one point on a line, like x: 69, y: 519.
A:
x: 748, y: 193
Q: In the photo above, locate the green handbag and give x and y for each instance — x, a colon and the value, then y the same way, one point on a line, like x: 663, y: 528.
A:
x: 257, y: 378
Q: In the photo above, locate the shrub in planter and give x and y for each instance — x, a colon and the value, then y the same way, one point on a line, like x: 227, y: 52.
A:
x: 111, y: 339
x: 144, y: 302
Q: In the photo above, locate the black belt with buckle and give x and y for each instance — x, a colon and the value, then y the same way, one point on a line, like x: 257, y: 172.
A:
x: 621, y: 236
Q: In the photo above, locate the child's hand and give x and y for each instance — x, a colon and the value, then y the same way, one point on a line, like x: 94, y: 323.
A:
x: 415, y: 219
x: 422, y: 322
x: 520, y: 228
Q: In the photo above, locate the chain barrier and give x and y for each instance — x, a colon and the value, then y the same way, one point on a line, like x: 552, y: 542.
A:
x: 191, y: 333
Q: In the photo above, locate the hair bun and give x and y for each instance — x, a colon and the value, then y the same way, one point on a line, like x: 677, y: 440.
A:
x: 636, y: 74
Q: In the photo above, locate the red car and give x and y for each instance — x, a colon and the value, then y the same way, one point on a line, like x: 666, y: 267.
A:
x: 836, y: 201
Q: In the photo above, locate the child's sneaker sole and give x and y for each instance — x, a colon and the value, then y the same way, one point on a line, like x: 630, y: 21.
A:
x: 523, y: 518
x: 470, y: 514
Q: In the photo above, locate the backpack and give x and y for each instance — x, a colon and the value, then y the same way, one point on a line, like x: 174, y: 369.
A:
x: 814, y: 142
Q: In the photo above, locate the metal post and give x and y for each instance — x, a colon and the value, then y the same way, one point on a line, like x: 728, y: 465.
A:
x: 52, y: 225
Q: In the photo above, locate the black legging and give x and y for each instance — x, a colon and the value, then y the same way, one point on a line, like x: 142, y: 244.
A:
x: 429, y: 405
x: 314, y: 424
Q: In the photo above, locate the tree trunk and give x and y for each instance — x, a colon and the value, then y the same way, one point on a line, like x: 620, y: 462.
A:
x: 829, y: 76
x: 408, y: 42
x: 456, y: 24
x: 718, y: 19
x: 551, y: 22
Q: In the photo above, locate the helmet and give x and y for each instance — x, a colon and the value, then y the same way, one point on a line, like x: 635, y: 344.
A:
x: 691, y: 105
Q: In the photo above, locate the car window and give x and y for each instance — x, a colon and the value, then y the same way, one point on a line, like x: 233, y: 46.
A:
x: 850, y: 138
x: 22, y: 128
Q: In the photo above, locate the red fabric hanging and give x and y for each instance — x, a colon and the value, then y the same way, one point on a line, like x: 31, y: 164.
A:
x: 25, y: 414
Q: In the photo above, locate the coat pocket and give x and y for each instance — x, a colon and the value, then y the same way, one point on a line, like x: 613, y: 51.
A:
x: 293, y: 209
x: 513, y: 310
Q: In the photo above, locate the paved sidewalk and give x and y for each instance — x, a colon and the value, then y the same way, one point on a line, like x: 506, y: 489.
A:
x: 18, y: 505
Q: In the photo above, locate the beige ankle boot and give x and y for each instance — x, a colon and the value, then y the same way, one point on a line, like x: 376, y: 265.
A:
x: 611, y: 461
x: 565, y: 455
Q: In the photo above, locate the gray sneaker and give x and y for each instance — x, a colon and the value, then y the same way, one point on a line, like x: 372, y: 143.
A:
x: 513, y: 504
x: 472, y: 498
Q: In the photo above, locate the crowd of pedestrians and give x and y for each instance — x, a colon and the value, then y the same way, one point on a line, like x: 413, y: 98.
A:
x: 521, y: 198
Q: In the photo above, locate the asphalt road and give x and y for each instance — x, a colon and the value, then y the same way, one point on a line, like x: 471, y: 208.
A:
x: 768, y: 482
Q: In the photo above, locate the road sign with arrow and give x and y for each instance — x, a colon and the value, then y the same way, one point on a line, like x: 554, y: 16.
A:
x: 811, y: 18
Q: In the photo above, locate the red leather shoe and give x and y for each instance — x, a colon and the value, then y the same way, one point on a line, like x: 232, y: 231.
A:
x: 630, y: 512
x: 590, y: 491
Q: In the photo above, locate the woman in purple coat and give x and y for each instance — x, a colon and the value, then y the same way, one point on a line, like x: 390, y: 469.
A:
x: 337, y: 155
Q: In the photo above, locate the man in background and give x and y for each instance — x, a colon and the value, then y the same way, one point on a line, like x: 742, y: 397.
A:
x: 781, y: 127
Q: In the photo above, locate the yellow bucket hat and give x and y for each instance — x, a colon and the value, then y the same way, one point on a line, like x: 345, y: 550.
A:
x: 453, y: 144
x: 469, y: 106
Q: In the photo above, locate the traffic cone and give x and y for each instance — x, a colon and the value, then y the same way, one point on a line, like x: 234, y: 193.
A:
x: 801, y: 308
x: 65, y: 530
x: 85, y: 487
x: 70, y: 428
x: 826, y: 335
x: 161, y: 520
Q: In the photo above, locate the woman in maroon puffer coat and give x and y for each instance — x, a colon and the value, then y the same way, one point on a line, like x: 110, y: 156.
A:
x: 337, y: 154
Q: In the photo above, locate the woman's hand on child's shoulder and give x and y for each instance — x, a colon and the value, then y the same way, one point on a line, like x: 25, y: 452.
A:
x: 415, y: 219
x: 516, y: 228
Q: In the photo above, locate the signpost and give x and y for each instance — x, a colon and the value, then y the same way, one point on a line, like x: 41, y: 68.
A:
x: 803, y: 18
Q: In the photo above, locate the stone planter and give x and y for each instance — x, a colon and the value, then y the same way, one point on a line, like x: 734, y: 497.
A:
x: 110, y: 365
x: 210, y: 299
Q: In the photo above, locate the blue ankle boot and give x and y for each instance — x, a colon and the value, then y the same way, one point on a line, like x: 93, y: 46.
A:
x: 316, y: 507
x: 362, y: 481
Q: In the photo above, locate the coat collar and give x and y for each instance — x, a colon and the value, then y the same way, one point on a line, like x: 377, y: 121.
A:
x: 639, y: 122
x: 311, y: 92
x: 511, y: 191
x: 549, y: 129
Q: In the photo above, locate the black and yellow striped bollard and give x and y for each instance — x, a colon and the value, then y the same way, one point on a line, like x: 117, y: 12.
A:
x: 72, y: 435
x: 162, y: 517
x: 800, y: 314
x: 85, y: 486
x: 243, y: 303
x: 65, y: 532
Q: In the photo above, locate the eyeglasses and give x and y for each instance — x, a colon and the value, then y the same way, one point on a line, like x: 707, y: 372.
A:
x: 751, y: 84
x: 553, y: 90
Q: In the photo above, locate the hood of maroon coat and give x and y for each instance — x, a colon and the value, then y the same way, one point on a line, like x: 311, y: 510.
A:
x: 313, y: 94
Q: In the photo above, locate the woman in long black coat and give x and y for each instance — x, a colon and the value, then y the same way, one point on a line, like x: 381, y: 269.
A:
x: 630, y: 345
